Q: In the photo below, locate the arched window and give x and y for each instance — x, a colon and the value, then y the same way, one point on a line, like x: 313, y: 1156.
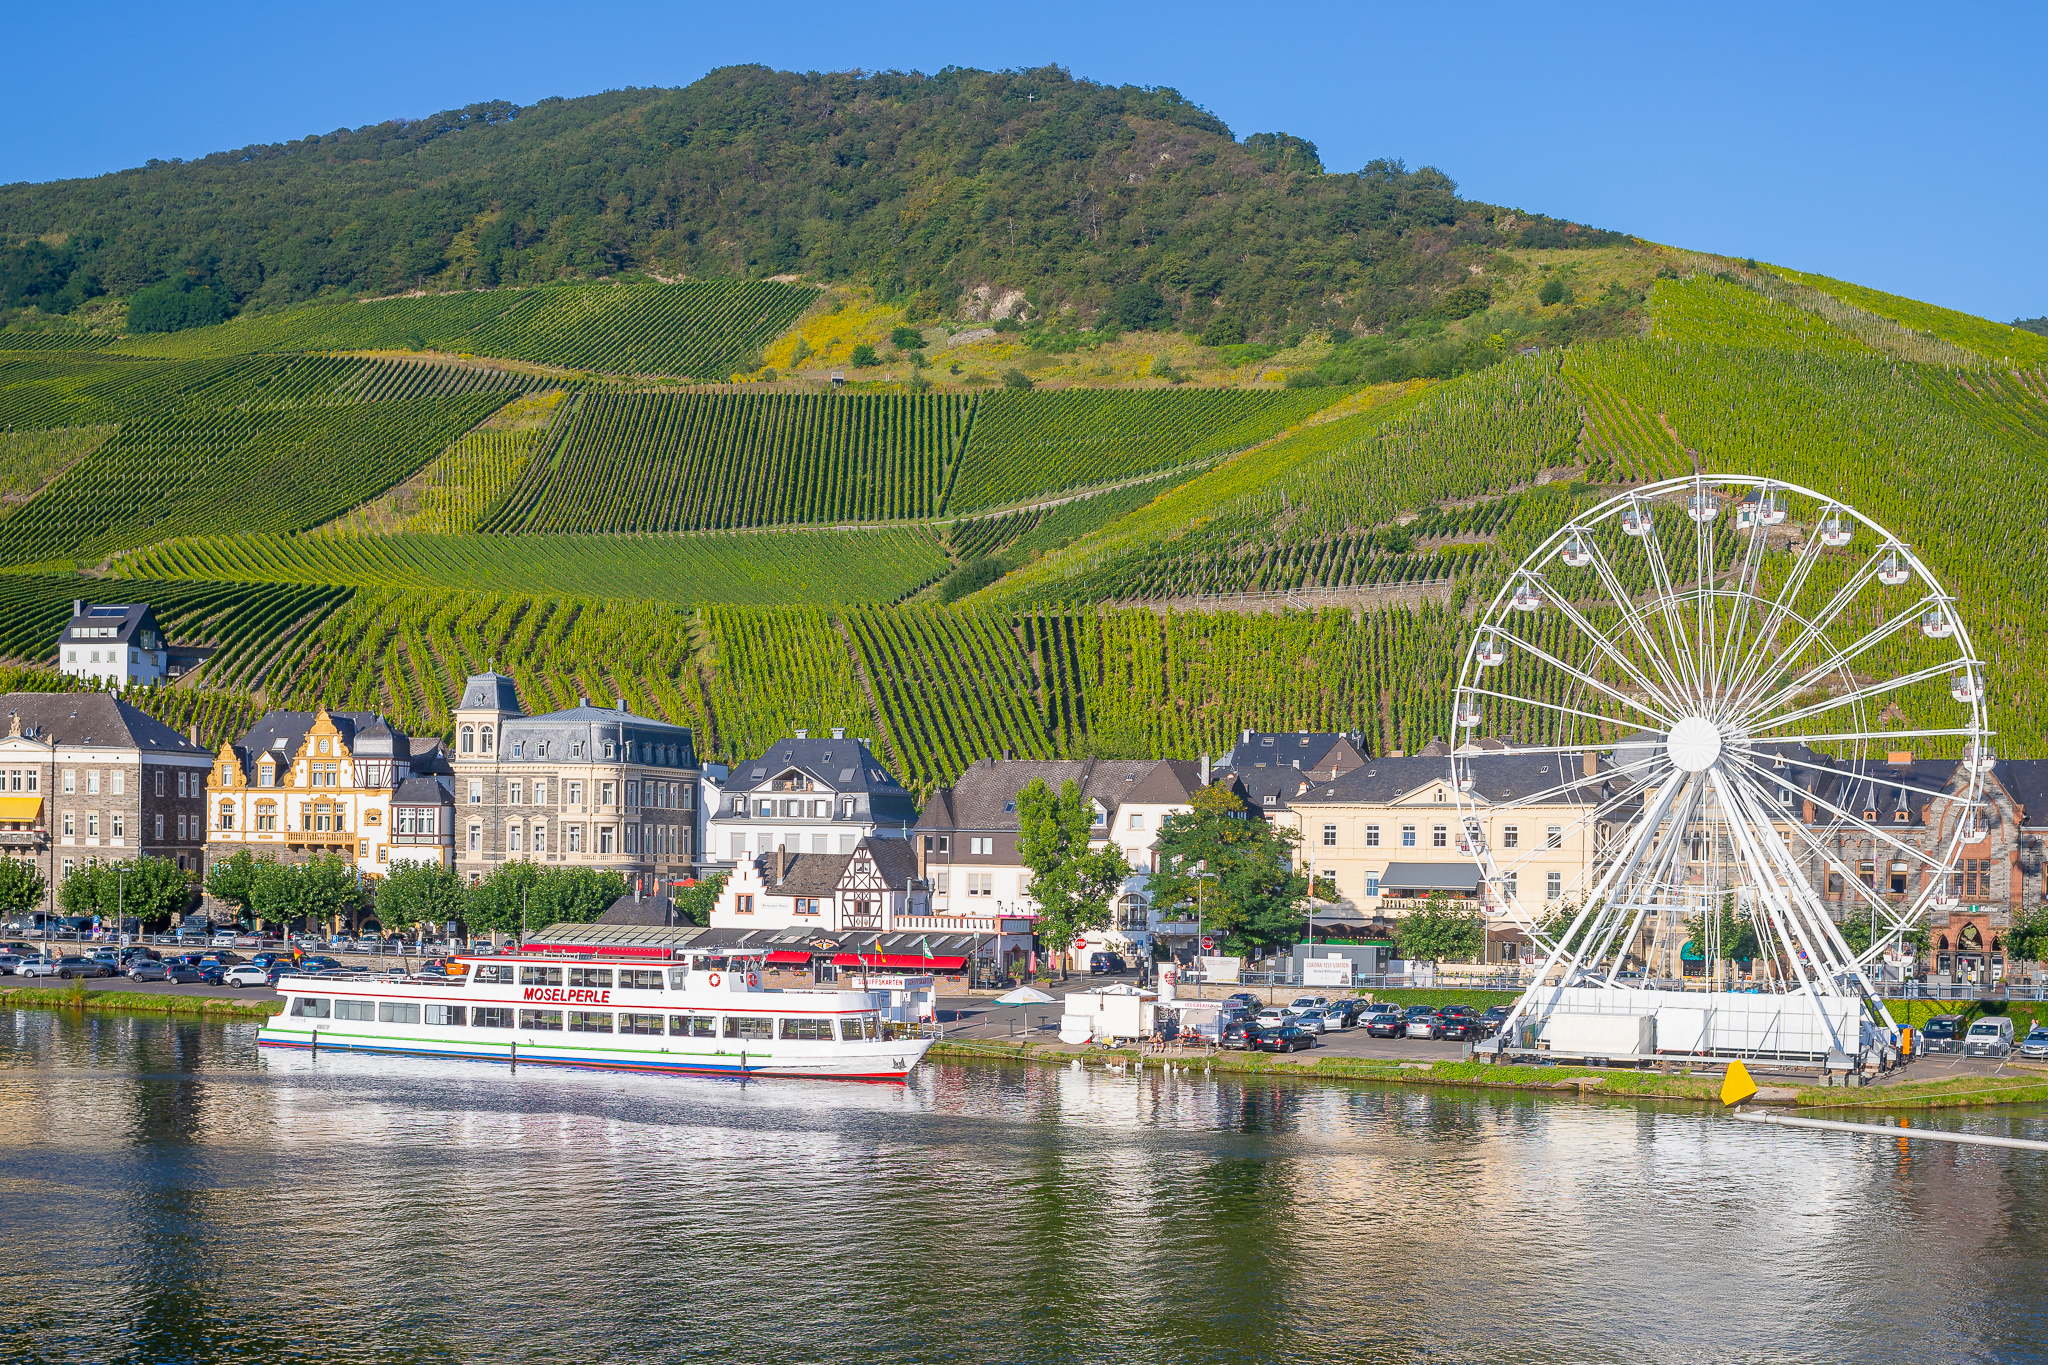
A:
x: 469, y: 739
x: 227, y: 815
x: 486, y: 746
x: 1132, y: 914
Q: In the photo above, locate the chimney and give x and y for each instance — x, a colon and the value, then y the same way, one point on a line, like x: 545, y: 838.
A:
x: 1589, y: 763
x: 582, y: 701
x: 621, y: 701
x: 1397, y: 753
x: 839, y: 732
x: 195, y: 736
x: 1205, y: 770
x: 78, y: 606
x: 1901, y: 759
x: 1244, y: 737
x: 803, y: 734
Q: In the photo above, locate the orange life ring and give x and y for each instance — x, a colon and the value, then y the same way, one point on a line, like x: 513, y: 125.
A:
x: 753, y: 979
x: 712, y: 979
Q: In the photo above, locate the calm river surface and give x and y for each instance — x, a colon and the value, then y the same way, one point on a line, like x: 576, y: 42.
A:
x: 167, y: 1193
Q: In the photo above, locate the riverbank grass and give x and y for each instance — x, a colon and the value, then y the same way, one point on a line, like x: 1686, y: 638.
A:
x: 78, y: 996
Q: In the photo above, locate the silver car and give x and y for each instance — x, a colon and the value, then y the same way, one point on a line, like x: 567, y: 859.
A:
x: 1315, y: 1021
x: 2035, y: 1044
x: 147, y: 969
x: 37, y: 966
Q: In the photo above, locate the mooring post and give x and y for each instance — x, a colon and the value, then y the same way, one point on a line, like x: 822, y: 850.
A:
x: 515, y: 1056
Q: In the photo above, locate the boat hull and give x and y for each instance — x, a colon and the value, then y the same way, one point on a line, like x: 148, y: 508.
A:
x: 884, y: 1061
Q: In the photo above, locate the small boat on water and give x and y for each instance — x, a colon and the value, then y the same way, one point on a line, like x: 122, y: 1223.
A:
x: 702, y: 1013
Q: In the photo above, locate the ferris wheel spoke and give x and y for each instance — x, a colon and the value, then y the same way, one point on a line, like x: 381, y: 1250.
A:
x: 1817, y: 626
x: 1631, y: 616
x: 1781, y: 607
x: 1572, y: 614
x: 1827, y: 952
x: 1613, y: 693
x: 1855, y: 736
x: 1864, y: 890
x: 1538, y: 851
x: 1667, y: 608
x: 1890, y: 784
x: 1861, y: 694
x: 1541, y: 704
x: 1838, y: 659
x: 1466, y: 783
x: 1877, y: 833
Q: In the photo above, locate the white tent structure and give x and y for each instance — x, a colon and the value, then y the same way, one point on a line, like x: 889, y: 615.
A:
x: 1710, y: 662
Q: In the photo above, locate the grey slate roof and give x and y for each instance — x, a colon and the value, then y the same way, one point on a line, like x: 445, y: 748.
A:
x: 424, y: 791
x: 1495, y: 777
x: 843, y: 765
x: 291, y: 727
x: 644, y: 910
x: 95, y: 718
x: 2027, y: 780
x: 491, y: 691
x: 126, y: 618
x: 985, y: 796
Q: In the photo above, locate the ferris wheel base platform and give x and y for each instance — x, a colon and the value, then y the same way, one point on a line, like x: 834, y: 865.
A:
x: 1635, y: 1026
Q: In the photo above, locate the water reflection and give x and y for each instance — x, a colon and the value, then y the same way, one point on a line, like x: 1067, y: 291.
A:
x: 181, y: 1197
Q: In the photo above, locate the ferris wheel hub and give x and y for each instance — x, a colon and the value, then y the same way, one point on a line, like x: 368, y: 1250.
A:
x: 1693, y: 745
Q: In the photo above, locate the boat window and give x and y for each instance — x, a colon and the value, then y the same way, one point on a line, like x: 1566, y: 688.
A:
x: 305, y: 1008
x: 712, y: 964
x: 678, y: 978
x: 640, y: 1023
x: 589, y: 1021
x: 355, y: 1009
x: 749, y: 1026
x: 446, y: 1014
x: 857, y: 1027
x: 541, y: 1019
x: 540, y: 976
x: 632, y: 979
x: 593, y: 977
x: 397, y: 1012
x: 494, y: 974
x: 807, y: 1029
x: 487, y: 1017
x: 693, y: 1026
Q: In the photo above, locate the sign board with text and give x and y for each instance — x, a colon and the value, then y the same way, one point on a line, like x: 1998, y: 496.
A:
x: 1223, y: 969
x: 1326, y: 971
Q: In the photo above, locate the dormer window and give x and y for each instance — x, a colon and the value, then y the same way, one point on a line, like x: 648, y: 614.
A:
x: 266, y: 776
x: 575, y: 748
x: 609, y: 749
x: 519, y: 748
x: 1900, y: 816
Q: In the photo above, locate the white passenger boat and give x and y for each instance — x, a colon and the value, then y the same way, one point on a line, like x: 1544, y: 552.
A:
x: 704, y: 1013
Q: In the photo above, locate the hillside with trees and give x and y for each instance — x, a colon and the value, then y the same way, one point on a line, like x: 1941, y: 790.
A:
x: 941, y: 193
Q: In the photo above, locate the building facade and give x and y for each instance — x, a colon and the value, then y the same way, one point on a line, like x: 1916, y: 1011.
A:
x: 87, y: 778
x: 967, y: 843
x: 345, y: 783
x: 588, y: 786
x: 1271, y: 767
x: 807, y: 795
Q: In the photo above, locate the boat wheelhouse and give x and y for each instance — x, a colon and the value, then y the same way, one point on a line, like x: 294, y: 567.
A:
x: 702, y: 1013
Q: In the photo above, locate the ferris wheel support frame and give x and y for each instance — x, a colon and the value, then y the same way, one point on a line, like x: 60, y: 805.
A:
x: 1706, y: 665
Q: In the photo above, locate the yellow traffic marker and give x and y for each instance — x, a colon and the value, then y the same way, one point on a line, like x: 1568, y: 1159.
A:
x: 1736, y: 1086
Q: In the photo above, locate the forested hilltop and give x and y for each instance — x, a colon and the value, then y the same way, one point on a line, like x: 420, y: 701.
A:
x: 942, y: 193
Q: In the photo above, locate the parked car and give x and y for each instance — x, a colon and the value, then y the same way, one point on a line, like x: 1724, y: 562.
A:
x: 221, y: 958
x: 222, y: 939
x: 1245, y: 998
x: 2035, y: 1044
x: 9, y: 961
x: 1942, y: 1033
x: 1989, y: 1037
x: 1104, y: 964
x: 1387, y: 1023
x: 1238, y: 1035
x: 147, y: 969
x: 69, y: 967
x: 1423, y: 1022
x: 37, y: 966
x: 1302, y: 1004
x: 248, y: 974
x: 1466, y: 1028
x: 1286, y: 1038
x: 193, y: 974
x: 1315, y: 1021
x: 1273, y: 1016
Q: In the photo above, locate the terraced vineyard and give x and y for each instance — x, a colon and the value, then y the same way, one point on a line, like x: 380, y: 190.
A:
x: 703, y: 329
x: 1026, y: 444
x: 52, y: 340
x: 683, y: 461
x: 270, y: 443
x: 808, y: 565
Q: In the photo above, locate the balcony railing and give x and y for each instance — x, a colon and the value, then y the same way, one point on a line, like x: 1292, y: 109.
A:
x: 951, y: 924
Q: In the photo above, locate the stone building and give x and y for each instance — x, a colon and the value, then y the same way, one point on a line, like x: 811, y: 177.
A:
x: 88, y: 778
x: 588, y: 786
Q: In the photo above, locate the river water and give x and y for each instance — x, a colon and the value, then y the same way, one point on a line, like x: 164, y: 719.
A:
x: 167, y: 1193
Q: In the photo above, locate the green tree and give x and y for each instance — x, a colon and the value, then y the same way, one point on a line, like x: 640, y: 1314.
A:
x: 322, y: 890
x: 421, y: 893
x: 145, y: 889
x: 574, y: 895
x: 695, y: 903
x: 21, y: 886
x: 1016, y: 379
x: 1250, y: 889
x: 1738, y: 940
x: 1073, y: 885
x: 2027, y: 940
x: 234, y: 880
x: 906, y: 338
x: 864, y: 356
x: 498, y: 903
x: 1441, y: 932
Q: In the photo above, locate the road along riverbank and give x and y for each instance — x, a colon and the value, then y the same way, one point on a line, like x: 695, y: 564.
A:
x: 1700, y: 1085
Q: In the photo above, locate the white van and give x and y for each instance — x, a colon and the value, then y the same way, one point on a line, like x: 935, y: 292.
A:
x: 1990, y: 1036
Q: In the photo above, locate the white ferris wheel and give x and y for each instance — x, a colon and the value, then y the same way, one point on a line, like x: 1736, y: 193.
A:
x: 1689, y: 713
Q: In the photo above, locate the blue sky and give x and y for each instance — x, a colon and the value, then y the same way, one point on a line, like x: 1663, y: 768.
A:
x: 1899, y: 147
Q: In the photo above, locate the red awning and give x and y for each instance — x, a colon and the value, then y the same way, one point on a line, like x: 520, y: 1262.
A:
x: 901, y: 962
x: 788, y: 955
